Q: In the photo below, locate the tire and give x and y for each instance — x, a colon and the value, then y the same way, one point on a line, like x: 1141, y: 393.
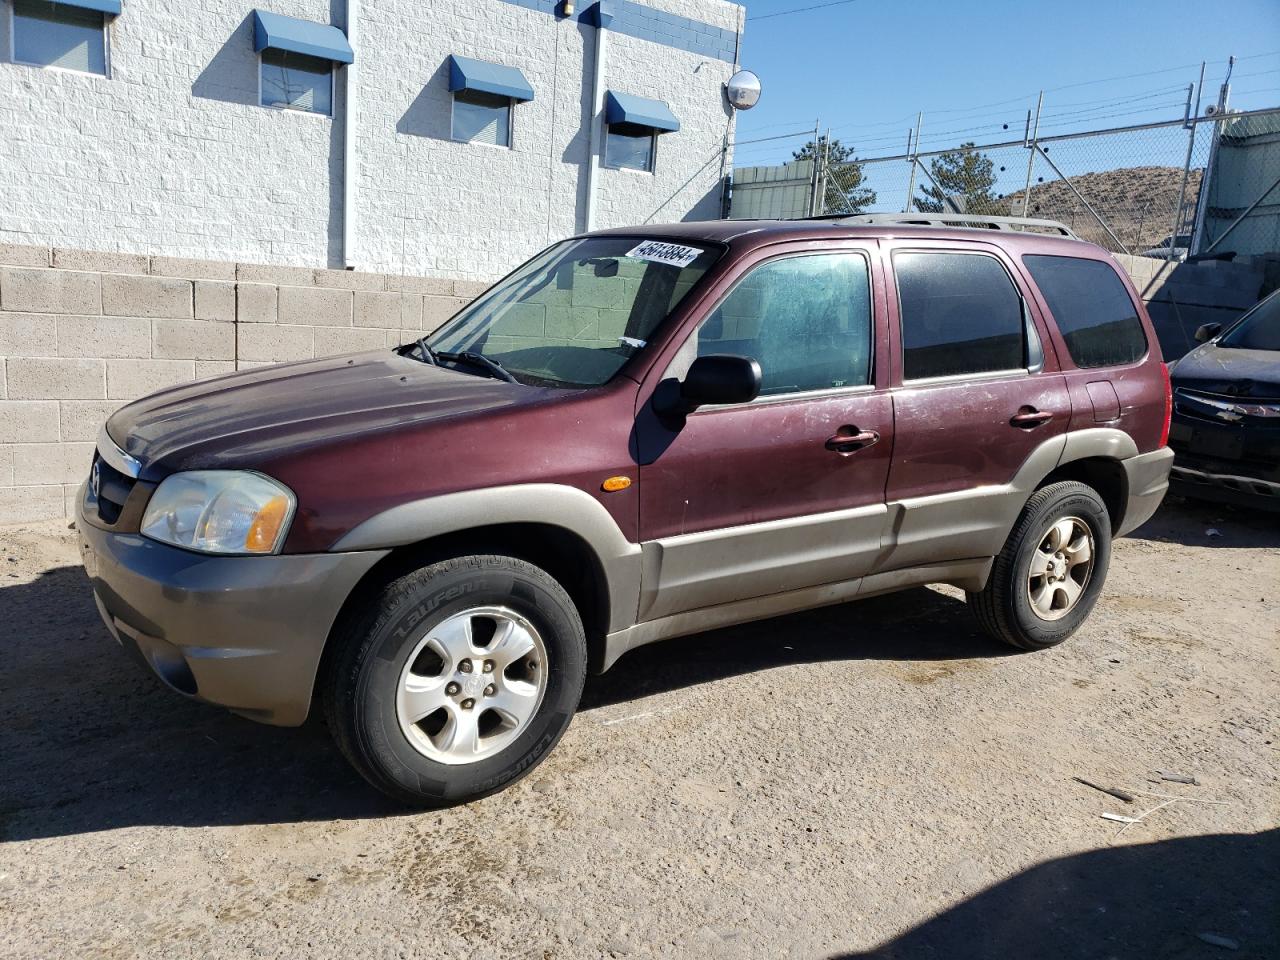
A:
x: 369, y: 695
x: 1005, y: 608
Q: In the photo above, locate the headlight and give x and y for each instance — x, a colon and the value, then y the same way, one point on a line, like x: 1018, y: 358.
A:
x: 220, y: 511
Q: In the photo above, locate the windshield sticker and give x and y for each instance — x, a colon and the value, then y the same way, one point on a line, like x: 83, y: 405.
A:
x: 672, y: 254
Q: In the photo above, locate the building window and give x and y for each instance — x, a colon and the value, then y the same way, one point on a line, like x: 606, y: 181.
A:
x: 295, y: 81
x: 59, y: 35
x: 629, y: 146
x: 480, y: 117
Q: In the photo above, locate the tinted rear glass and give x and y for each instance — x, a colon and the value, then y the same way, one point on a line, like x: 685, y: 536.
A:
x: 1094, y: 311
x: 960, y: 314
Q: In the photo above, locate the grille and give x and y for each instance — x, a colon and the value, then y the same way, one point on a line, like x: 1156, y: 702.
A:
x: 113, y: 489
x: 1197, y: 403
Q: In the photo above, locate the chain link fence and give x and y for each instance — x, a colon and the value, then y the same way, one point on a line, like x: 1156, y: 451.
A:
x: 1134, y: 189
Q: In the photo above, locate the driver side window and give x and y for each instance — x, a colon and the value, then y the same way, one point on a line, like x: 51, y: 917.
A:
x: 806, y: 320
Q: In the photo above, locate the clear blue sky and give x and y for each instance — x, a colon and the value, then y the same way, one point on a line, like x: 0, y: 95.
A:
x: 864, y: 68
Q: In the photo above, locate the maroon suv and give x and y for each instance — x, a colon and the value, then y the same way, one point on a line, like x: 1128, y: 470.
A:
x: 638, y: 434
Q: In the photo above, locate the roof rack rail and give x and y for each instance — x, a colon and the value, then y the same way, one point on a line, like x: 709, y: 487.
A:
x: 975, y: 221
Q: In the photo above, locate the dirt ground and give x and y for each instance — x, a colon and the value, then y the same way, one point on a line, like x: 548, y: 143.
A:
x: 870, y: 779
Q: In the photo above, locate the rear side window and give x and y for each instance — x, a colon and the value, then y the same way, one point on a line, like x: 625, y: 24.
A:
x: 961, y: 314
x: 1094, y: 311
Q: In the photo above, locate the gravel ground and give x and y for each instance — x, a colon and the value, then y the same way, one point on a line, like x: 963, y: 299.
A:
x: 875, y: 777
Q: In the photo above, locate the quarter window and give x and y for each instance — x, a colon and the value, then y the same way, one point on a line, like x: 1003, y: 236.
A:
x: 1093, y: 309
x: 480, y: 117
x: 629, y: 146
x: 295, y: 81
x: 961, y: 314
x: 56, y: 35
x: 806, y: 320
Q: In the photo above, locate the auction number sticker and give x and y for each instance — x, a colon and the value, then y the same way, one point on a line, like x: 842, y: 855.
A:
x: 672, y: 254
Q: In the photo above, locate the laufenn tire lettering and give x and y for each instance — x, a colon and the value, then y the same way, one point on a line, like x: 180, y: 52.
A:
x: 415, y: 616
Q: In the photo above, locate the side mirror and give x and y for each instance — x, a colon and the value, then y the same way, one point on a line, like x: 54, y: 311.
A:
x: 720, y: 378
x: 1207, y: 332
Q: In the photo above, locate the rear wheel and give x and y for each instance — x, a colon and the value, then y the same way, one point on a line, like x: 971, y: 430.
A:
x: 1047, y: 578
x: 457, y: 680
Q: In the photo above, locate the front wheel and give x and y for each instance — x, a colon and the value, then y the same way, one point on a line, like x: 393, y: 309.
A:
x: 1047, y: 578
x: 457, y: 680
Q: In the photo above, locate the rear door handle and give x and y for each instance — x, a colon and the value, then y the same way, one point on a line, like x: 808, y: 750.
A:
x: 1028, y: 418
x: 849, y: 442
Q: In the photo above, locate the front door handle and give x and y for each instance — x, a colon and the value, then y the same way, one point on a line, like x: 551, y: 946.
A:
x: 1028, y: 418
x: 850, y: 442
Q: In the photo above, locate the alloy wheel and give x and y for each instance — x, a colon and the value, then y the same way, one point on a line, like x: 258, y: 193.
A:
x: 472, y: 684
x: 1060, y: 568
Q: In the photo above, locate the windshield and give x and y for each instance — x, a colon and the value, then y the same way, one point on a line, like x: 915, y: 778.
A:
x: 578, y: 311
x: 1259, y: 329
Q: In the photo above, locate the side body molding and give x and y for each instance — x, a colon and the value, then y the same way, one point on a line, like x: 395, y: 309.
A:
x: 552, y: 504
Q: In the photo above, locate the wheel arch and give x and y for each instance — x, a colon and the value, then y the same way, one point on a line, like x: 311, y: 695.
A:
x: 1104, y: 475
x: 1095, y: 458
x: 561, y: 529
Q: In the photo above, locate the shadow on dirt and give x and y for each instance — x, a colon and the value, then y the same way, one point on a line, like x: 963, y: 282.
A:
x: 91, y: 741
x: 1147, y: 900
x: 1200, y: 523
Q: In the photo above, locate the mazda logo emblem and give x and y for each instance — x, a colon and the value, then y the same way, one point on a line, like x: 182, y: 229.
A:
x: 95, y: 479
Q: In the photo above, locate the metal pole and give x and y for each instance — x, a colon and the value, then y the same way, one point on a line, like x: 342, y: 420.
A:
x: 914, y: 150
x: 1031, y: 157
x: 351, y: 117
x: 595, y: 131
x: 946, y: 201
x: 813, y: 176
x: 1080, y: 197
x: 826, y: 172
x: 1248, y: 210
x: 1210, y: 169
x: 1186, y: 170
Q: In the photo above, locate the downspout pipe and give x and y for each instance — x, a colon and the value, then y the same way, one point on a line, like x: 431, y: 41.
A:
x: 349, y: 123
x: 600, y: 16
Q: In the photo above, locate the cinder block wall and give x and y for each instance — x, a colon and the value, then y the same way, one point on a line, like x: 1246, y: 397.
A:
x: 82, y: 333
x: 1182, y: 296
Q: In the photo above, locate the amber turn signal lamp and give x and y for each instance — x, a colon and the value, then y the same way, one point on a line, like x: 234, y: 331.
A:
x: 265, y: 529
x: 614, y: 484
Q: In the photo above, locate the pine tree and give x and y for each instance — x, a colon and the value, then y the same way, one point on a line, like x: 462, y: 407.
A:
x: 844, y: 192
x: 964, y: 179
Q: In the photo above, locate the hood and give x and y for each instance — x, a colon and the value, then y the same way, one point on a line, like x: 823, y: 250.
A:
x: 1229, y: 372
x: 245, y: 419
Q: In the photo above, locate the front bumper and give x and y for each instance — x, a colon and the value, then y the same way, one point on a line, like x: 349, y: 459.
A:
x: 1223, y: 487
x: 1147, y: 477
x: 1233, y: 462
x: 245, y: 633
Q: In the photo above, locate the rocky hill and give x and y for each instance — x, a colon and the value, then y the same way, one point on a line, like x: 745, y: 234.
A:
x: 1138, y: 203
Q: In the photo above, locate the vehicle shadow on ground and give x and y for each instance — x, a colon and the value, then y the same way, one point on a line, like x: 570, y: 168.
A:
x: 1145, y: 900
x: 91, y: 741
x: 914, y: 625
x: 1200, y: 523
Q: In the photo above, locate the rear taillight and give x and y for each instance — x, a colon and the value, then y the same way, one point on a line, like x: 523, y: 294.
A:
x: 1168, y: 405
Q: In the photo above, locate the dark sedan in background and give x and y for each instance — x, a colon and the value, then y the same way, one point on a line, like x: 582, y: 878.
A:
x: 1225, y: 432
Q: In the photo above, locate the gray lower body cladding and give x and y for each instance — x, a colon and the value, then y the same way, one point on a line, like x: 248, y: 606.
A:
x: 245, y: 633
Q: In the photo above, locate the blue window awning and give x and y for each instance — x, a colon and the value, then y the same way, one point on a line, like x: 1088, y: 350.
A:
x: 110, y: 7
x: 468, y: 74
x: 625, y: 108
x: 271, y: 31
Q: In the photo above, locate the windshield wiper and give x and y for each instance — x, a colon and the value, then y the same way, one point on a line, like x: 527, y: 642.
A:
x: 479, y: 360
x: 426, y: 353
